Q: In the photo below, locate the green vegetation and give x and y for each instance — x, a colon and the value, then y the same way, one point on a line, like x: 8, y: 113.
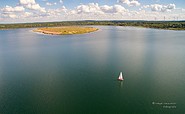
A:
x: 170, y: 25
x: 66, y: 30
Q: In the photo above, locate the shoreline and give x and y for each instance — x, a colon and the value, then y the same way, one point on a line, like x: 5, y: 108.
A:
x: 165, y: 25
x: 172, y: 29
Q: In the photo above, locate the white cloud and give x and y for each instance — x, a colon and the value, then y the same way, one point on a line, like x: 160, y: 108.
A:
x: 134, y: 3
x: 26, y: 2
x: 32, y: 5
x: 129, y: 2
x: 160, y: 8
x: 35, y: 7
x: 16, y: 15
x: 96, y: 9
x: 27, y: 14
x: 19, y: 10
x: 12, y: 12
x: 50, y: 4
x: 156, y: 7
x: 124, y: 1
x: 8, y: 15
x: 118, y: 9
x: 20, y: 13
x: 12, y: 16
x: 89, y: 8
x: 145, y: 6
x: 106, y: 8
x: 61, y: 1
x: 57, y: 12
x: 13, y: 9
x: 170, y: 6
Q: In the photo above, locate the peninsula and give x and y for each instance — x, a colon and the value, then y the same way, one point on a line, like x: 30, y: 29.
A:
x: 68, y: 30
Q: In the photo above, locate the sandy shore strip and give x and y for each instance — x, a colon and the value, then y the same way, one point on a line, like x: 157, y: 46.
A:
x: 68, y: 30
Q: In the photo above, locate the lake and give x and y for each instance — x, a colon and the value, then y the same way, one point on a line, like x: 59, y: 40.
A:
x: 77, y: 74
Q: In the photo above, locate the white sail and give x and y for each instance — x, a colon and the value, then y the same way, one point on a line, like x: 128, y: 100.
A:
x: 120, y: 76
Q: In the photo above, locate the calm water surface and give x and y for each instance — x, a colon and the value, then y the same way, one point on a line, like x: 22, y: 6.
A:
x: 77, y: 74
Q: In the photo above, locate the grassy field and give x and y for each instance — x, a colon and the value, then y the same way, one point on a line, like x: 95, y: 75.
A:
x: 65, y: 30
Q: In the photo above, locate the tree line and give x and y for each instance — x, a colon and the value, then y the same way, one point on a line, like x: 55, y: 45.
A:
x: 172, y: 25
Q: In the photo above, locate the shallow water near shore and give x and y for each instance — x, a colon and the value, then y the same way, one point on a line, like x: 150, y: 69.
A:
x: 77, y: 74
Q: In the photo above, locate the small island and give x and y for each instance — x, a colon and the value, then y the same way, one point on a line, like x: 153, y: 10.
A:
x: 68, y: 30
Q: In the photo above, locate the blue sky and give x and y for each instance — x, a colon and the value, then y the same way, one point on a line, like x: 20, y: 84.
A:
x: 13, y: 11
x: 74, y: 3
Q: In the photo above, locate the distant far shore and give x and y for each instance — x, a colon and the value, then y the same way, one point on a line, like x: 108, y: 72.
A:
x: 68, y: 30
x: 168, y: 25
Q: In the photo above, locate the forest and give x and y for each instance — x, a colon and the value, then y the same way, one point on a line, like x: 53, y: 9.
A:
x: 170, y: 25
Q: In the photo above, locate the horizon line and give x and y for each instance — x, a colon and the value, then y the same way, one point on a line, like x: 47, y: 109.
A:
x: 90, y: 20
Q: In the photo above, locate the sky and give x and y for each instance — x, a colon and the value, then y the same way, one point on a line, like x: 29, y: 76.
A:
x: 23, y: 11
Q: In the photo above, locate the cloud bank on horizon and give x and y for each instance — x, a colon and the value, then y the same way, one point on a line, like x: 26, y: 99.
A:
x: 64, y: 10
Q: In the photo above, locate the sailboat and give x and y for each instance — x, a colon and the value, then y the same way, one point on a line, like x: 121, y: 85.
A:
x: 120, y: 78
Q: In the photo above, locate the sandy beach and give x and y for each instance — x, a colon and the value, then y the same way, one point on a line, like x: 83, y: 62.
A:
x: 69, y: 30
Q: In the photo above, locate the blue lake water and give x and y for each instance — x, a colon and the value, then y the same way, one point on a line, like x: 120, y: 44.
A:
x: 77, y: 74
